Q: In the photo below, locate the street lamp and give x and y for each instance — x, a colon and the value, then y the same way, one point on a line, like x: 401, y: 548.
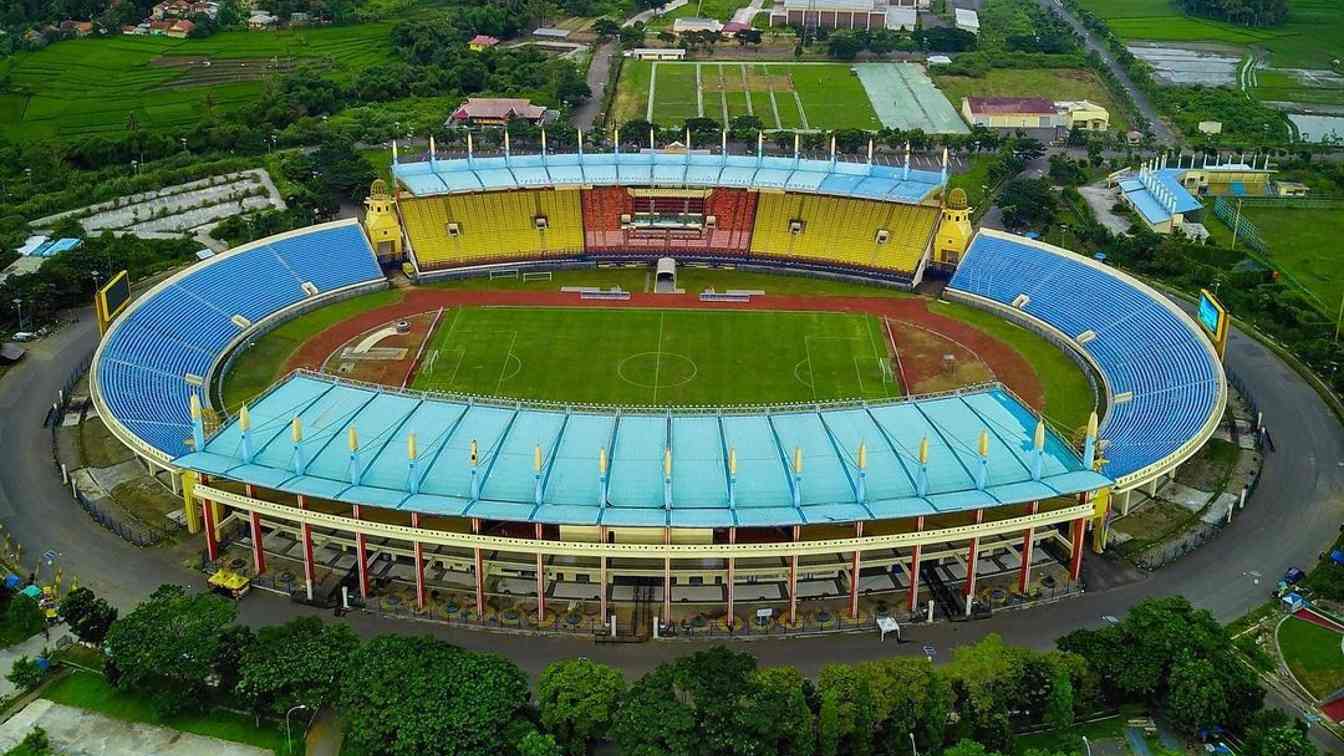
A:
x: 913, y: 749
x: 289, y: 744
x: 1087, y: 745
x: 135, y: 166
x: 18, y: 306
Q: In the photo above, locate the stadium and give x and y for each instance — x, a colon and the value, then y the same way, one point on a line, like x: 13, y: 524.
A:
x: 549, y: 455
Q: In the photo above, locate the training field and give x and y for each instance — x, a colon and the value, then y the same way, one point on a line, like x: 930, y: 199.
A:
x: 88, y: 86
x: 657, y: 357
x: 1303, y: 243
x: 786, y: 95
x: 1310, y: 38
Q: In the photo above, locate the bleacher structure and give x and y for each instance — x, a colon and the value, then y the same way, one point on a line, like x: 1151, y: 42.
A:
x: 821, y: 215
x: 1165, y: 386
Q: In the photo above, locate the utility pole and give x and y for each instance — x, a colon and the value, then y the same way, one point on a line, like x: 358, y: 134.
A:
x: 1236, y: 225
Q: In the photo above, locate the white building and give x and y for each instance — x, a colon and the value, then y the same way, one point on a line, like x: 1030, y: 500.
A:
x: 692, y: 24
x: 968, y: 20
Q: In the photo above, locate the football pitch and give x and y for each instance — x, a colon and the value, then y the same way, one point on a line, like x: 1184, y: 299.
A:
x: 657, y: 357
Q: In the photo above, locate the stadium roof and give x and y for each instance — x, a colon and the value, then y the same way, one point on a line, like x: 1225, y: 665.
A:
x: 1141, y: 193
x: 673, y: 169
x: 567, y: 487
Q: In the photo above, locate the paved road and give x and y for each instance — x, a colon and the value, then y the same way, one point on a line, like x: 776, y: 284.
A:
x: 1161, y: 132
x: 599, y: 76
x: 1293, y: 515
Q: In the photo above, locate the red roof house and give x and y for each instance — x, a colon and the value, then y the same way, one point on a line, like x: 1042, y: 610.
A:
x: 497, y: 111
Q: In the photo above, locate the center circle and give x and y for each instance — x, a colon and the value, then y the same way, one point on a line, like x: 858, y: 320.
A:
x: 657, y: 370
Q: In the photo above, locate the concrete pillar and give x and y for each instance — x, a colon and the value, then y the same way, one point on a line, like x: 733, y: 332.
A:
x: 211, y: 532
x: 1124, y: 503
x: 1024, y: 576
x: 667, y: 579
x: 419, y: 565
x: 541, y: 580
x: 972, y: 556
x: 309, y: 566
x: 732, y: 539
x: 479, y: 569
x: 1076, y: 544
x: 602, y: 573
x: 189, y: 510
x: 914, y: 566
x: 254, y: 525
x: 793, y: 580
x: 361, y: 557
x: 854, y: 576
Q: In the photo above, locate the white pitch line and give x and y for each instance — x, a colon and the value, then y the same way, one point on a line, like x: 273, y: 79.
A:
x: 658, y: 357
x: 507, y: 356
x: 653, y: 81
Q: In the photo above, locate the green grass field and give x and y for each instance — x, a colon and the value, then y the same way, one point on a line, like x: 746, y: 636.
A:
x: 1313, y: 654
x: 87, y: 690
x: 657, y: 357
x: 721, y: 10
x: 1303, y: 243
x: 1060, y: 83
x: 1311, y: 37
x: 92, y: 85
x: 830, y: 96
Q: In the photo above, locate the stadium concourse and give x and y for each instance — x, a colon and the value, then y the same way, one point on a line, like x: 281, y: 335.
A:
x: 693, y: 510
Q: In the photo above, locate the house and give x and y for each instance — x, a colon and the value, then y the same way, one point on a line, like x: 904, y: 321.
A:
x: 902, y: 19
x: 551, y: 32
x: 1210, y: 127
x: 496, y: 111
x: 77, y: 28
x: 691, y: 24
x: 1083, y: 114
x: 300, y: 19
x: 261, y: 21
x: 839, y: 14
x: 968, y: 20
x: 656, y: 53
x: 170, y: 9
x: 160, y: 28
x: 939, y: 60
x: 180, y: 29
x: 482, y: 42
x: 1009, y: 112
x: 733, y: 28
x: 1291, y: 189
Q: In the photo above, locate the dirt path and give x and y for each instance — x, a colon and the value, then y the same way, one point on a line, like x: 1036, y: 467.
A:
x: 1007, y: 365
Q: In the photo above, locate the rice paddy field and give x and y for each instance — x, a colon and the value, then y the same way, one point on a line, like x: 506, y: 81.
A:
x: 658, y: 357
x: 1311, y: 37
x: 782, y: 95
x: 88, y: 86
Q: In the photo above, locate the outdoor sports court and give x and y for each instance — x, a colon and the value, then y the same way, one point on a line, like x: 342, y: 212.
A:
x: 804, y: 96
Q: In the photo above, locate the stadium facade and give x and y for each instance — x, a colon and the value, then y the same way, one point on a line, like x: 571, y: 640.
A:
x: 915, y: 498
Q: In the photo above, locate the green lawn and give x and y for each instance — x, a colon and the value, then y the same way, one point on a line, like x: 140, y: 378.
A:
x: 657, y: 357
x: 1313, y: 654
x: 1059, y: 83
x: 87, y: 690
x: 721, y: 10
x: 97, y: 85
x: 975, y: 177
x: 831, y: 97
x: 1068, y: 396
x: 1311, y: 37
x: 266, y: 358
x: 1304, y: 244
x: 1072, y: 741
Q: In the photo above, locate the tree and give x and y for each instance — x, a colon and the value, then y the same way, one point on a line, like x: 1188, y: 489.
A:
x: 25, y: 673
x: 1196, y: 698
x: 1033, y: 203
x: 1059, y: 715
x: 605, y: 28
x: 851, y: 689
x: 578, y: 699
x: 653, y: 719
x: 986, y: 677
x: 88, y: 616
x: 411, y: 695
x: 297, y: 663
x: 24, y: 617
x: 233, y: 642
x: 828, y: 724
x: 844, y: 45
x: 969, y: 748
x: 536, y: 744
x: 166, y: 646
x: 774, y: 712
x: 633, y: 35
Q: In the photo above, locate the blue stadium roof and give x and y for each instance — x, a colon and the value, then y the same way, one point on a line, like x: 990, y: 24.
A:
x: 679, y: 169
x: 698, y: 496
x: 1139, y: 191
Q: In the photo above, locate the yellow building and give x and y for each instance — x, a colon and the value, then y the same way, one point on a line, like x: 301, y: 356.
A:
x: 381, y: 224
x: 1083, y: 114
x: 1034, y: 113
x: 954, y: 230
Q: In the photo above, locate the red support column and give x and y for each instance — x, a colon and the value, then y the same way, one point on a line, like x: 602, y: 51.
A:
x: 854, y: 576
x: 541, y: 581
x: 362, y: 555
x: 211, y: 542
x: 972, y: 555
x: 914, y: 566
x: 732, y: 539
x: 419, y: 565
x: 793, y: 580
x: 480, y: 572
x: 1024, y: 576
x: 667, y: 579
x: 254, y: 522
x: 1076, y: 558
x: 306, y: 539
x: 602, y: 575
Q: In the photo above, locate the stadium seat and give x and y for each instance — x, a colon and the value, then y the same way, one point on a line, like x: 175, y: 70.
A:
x: 184, y: 327
x: 843, y: 231
x: 1143, y: 347
x: 493, y: 226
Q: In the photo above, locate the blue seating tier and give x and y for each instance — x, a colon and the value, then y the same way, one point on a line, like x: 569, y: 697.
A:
x: 1144, y: 348
x: 182, y: 327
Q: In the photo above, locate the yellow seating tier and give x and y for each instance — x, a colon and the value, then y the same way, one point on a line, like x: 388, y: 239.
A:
x: 842, y: 230
x: 493, y: 225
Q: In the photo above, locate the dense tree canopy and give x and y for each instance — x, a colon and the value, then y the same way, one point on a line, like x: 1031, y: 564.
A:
x: 300, y: 662
x: 578, y: 699
x: 1245, y: 12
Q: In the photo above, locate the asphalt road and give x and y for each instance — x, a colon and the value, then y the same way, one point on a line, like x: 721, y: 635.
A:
x: 1293, y: 515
